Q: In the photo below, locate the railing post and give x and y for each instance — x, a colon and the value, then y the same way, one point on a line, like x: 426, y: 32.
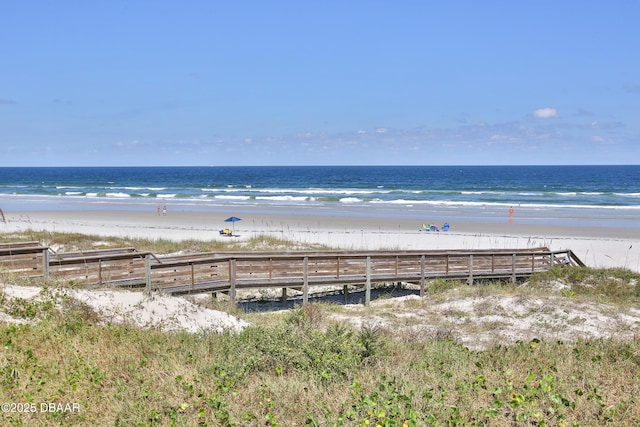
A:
x: 533, y: 262
x: 193, y: 277
x: 305, y: 281
x: 470, y: 279
x: 232, y: 280
x: 147, y: 272
x: 367, y: 294
x: 513, y: 268
x: 422, y: 275
x: 45, y: 262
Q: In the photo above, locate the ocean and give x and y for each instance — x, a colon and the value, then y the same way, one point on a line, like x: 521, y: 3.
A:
x: 544, y: 193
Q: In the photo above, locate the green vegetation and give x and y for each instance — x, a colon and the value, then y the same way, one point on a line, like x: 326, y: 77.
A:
x: 76, y: 241
x: 302, y: 369
x: 616, y: 286
x: 295, y: 371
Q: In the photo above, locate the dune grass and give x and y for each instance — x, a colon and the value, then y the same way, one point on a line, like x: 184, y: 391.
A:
x: 299, y: 368
x: 77, y: 241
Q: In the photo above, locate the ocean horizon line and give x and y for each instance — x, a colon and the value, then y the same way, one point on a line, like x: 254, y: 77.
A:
x: 322, y: 166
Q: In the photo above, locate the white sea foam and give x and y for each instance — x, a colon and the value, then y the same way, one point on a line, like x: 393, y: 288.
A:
x: 284, y: 198
x: 222, y: 197
x: 139, y: 188
x: 350, y: 200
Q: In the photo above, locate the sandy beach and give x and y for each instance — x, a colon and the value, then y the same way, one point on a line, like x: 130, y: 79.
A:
x: 349, y: 229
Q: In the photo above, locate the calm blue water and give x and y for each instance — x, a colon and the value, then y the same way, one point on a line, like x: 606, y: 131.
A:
x: 385, y: 188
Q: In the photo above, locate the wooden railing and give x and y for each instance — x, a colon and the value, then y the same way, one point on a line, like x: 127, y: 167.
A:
x: 100, y: 267
x: 231, y: 272
x: 28, y: 258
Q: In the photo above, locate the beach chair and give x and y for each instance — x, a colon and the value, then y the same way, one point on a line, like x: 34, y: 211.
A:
x: 225, y: 232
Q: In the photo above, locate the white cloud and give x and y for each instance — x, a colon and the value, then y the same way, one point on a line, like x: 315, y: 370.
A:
x: 130, y: 144
x: 305, y: 135
x: 545, y: 113
x: 503, y: 137
x: 601, y: 140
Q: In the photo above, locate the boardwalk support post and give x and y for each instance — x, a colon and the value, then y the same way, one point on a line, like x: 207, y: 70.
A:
x: 513, y: 268
x: 193, y: 277
x: 45, y: 262
x: 470, y: 279
x: 305, y: 281
x: 422, y: 275
x: 232, y: 280
x: 367, y: 294
x: 147, y: 272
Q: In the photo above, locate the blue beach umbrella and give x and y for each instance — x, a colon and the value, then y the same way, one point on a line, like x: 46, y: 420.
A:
x: 233, y: 220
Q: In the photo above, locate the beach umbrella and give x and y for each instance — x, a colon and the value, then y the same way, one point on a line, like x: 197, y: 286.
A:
x: 233, y: 220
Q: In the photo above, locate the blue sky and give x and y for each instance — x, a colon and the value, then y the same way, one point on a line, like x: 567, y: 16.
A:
x: 316, y: 83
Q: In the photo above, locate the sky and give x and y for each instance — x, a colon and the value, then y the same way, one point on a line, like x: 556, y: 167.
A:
x: 193, y: 82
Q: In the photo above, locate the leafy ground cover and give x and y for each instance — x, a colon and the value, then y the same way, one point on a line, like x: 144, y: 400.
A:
x: 327, y: 364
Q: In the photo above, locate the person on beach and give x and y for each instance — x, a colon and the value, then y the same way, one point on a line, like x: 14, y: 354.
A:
x: 164, y: 210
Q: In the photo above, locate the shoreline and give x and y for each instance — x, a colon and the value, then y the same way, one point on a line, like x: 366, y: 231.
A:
x: 606, y: 247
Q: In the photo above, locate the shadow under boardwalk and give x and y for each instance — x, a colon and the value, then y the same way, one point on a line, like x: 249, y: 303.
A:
x: 356, y: 296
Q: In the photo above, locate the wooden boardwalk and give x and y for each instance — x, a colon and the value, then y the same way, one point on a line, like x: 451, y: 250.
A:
x: 232, y: 272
